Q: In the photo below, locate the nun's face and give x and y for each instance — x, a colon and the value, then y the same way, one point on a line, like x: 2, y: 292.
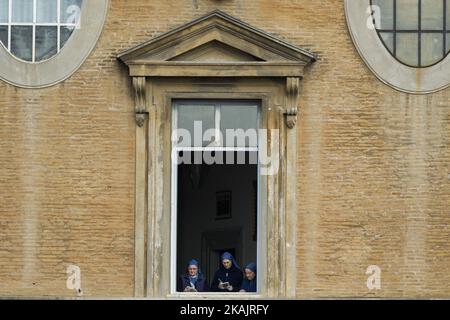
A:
x: 193, y: 270
x: 249, y: 274
x: 226, y: 263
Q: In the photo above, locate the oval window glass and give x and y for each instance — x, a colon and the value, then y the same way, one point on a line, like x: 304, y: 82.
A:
x: 415, y: 32
x: 36, y: 30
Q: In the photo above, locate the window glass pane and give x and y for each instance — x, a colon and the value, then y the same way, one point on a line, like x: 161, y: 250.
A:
x: 46, y: 11
x: 239, y: 117
x: 432, y: 48
x: 22, y: 11
x: 4, y: 11
x: 407, y: 14
x: 407, y: 48
x: 22, y: 42
x: 432, y: 15
x: 386, y: 13
x: 187, y: 114
x: 388, y: 39
x: 448, y: 43
x: 4, y: 35
x: 65, y: 35
x: 70, y: 11
x: 448, y: 15
x: 46, y: 42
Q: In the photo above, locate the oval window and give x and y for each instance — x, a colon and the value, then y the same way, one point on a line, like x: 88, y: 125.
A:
x: 415, y: 32
x: 405, y: 43
x: 36, y: 30
x: 45, y: 41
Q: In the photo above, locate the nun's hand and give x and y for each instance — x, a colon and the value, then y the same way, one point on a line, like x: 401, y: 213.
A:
x: 230, y: 288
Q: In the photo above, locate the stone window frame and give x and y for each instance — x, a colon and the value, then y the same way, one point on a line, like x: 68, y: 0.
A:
x: 380, y: 61
x: 61, y: 66
x: 237, y: 98
x: 159, y: 78
x: 154, y: 180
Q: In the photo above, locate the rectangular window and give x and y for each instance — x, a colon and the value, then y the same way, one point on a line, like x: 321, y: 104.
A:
x: 388, y: 38
x: 46, y: 42
x: 4, y: 11
x: 407, y: 15
x: 432, y: 47
x: 432, y: 17
x: 22, y: 42
x: 200, y: 117
x: 22, y: 11
x: 386, y: 13
x: 214, y: 192
x: 46, y: 11
x: 215, y: 121
x: 65, y: 33
x: 4, y: 35
x: 448, y: 16
x: 241, y: 117
x: 448, y: 42
x: 70, y: 11
x: 407, y: 48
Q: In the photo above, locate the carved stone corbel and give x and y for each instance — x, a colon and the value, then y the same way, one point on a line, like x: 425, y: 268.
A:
x: 292, y: 99
x: 140, y: 118
x: 140, y: 100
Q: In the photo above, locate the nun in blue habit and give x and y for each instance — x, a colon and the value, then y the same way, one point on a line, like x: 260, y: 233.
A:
x: 228, y: 278
x: 193, y: 280
x: 249, y: 283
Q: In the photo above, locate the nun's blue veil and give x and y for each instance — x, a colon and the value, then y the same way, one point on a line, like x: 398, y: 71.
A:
x: 228, y: 256
x: 194, y: 262
x: 251, y: 266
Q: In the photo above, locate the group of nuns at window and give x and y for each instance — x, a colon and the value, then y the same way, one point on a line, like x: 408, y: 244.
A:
x: 228, y: 278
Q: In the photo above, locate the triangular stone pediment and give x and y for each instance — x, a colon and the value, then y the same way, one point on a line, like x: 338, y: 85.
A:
x: 212, y: 40
x: 215, y: 51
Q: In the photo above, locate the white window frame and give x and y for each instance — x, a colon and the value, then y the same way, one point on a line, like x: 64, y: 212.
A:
x: 35, y: 24
x: 174, y: 189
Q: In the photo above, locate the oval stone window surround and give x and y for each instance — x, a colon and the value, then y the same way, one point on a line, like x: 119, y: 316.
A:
x: 52, y: 51
x: 387, y: 68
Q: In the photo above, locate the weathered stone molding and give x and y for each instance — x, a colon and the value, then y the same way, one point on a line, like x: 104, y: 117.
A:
x: 140, y: 100
x: 292, y: 98
x: 140, y: 118
x: 139, y: 93
x: 247, y: 52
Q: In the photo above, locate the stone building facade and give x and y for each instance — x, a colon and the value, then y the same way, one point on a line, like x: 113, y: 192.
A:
x: 364, y: 178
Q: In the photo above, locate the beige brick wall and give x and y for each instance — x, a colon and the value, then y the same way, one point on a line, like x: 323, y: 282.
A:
x: 373, y: 176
